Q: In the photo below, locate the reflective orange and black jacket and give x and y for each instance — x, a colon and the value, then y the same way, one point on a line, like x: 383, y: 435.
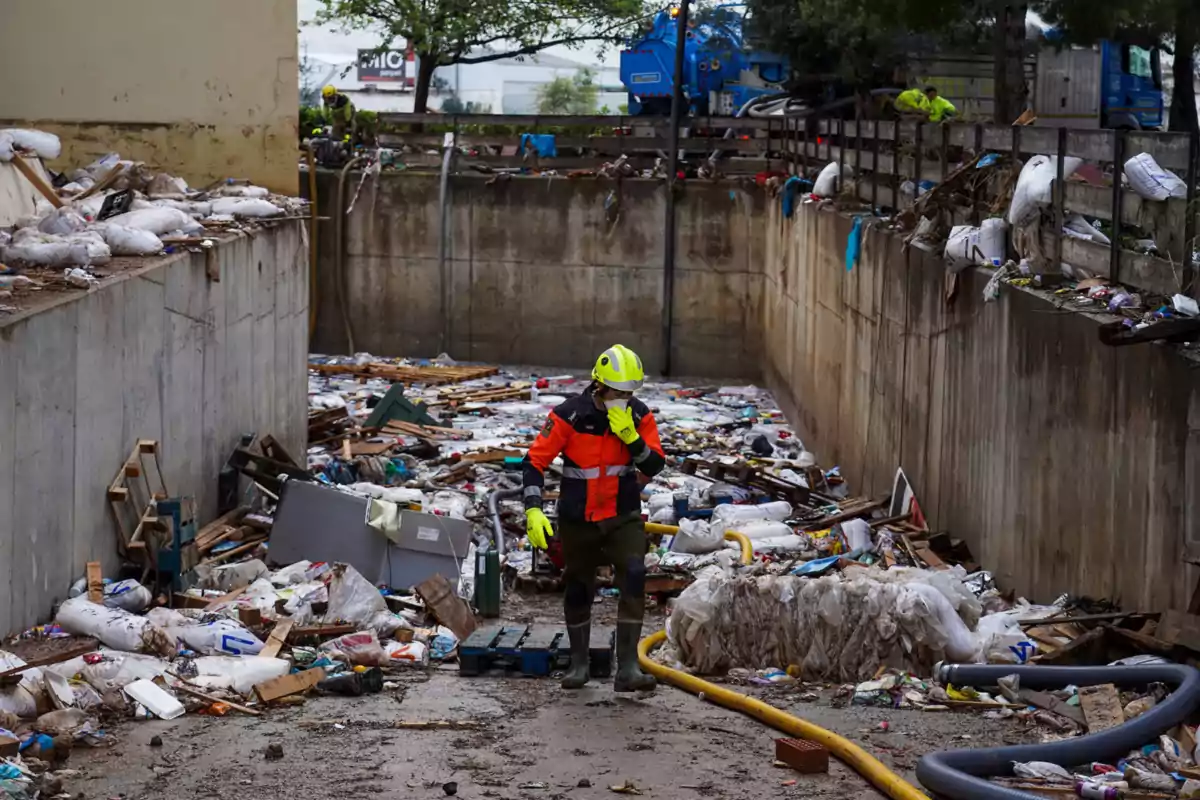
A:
x: 599, y: 470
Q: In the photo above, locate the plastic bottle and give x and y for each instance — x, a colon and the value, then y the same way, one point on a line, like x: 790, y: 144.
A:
x: 1096, y: 791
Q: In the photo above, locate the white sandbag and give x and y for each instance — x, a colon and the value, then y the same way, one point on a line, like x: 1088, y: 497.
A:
x: 159, y: 220
x: 125, y: 241
x: 62, y: 221
x: 221, y: 636
x: 128, y: 595
x: 114, y: 627
x: 291, y: 574
x: 360, y: 649
x: 98, y: 168
x: 697, y: 538
x: 993, y: 238
x: 729, y: 514
x: 1152, y: 181
x: 46, y: 145
x: 97, y: 249
x: 162, y: 183
x: 756, y: 529
x: 226, y: 578
x: 1079, y: 228
x: 354, y: 599
x: 239, y: 674
x: 1035, y: 186
x: 857, y: 533
x: 50, y: 252
x: 250, y: 208
x: 118, y: 670
x: 962, y: 248
x: 243, y: 191
x: 193, y: 208
x: 827, y: 181
x: 960, y: 644
x: 6, y: 147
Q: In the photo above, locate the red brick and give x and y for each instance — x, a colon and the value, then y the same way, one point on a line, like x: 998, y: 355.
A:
x: 802, y: 756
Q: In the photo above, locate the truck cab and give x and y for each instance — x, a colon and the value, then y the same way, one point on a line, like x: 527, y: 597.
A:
x: 1110, y: 85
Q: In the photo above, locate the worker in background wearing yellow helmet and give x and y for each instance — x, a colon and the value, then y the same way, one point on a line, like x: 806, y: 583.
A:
x: 341, y: 112
x: 605, y: 436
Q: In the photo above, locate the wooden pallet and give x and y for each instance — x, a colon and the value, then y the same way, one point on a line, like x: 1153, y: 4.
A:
x: 398, y: 428
x: 742, y: 474
x: 133, y: 502
x: 488, y: 395
x: 535, y: 651
x: 397, y: 373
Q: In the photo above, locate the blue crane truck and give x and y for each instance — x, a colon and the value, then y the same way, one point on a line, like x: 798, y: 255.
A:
x: 721, y: 73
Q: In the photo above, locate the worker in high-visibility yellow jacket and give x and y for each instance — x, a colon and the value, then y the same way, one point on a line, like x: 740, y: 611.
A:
x: 915, y: 102
x: 341, y: 110
x: 940, y: 109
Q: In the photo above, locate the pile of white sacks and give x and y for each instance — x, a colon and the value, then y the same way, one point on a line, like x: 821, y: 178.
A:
x: 163, y: 206
x: 844, y: 626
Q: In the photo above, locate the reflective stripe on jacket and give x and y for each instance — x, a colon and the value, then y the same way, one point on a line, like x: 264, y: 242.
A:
x: 599, y: 471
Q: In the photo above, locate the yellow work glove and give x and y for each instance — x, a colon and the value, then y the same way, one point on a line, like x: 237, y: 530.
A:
x: 537, y: 527
x: 620, y: 420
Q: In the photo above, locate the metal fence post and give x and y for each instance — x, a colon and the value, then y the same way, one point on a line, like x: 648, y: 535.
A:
x: 1189, y: 222
x: 917, y: 161
x: 1060, y: 195
x: 1114, y: 255
x: 875, y: 167
x: 841, y: 126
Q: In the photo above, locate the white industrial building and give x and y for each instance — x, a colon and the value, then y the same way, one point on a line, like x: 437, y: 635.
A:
x: 505, y: 86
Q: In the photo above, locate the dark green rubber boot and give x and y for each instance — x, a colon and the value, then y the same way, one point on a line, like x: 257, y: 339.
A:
x: 577, y: 676
x: 630, y: 677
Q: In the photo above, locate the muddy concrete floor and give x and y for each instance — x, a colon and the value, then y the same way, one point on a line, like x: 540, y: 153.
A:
x: 519, y: 738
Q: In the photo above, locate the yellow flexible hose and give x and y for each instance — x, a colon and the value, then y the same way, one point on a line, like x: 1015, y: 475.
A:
x: 844, y: 750
x: 733, y: 536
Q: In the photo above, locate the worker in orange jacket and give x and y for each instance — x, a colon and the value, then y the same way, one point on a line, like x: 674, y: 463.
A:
x: 605, y: 436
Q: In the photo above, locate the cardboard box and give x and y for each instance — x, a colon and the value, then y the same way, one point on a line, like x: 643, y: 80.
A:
x: 287, y: 685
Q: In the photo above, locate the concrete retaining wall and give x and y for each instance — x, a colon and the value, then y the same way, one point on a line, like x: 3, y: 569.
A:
x: 157, y: 353
x: 1066, y: 465
x: 545, y: 271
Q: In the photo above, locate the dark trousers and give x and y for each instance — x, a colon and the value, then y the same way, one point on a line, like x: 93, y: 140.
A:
x: 620, y: 542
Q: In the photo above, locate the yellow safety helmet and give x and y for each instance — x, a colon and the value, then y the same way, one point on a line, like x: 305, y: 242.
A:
x: 328, y: 91
x: 619, y: 368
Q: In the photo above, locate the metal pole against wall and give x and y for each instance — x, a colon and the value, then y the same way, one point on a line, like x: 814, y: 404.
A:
x: 1060, y: 197
x: 1114, y: 255
x: 677, y: 108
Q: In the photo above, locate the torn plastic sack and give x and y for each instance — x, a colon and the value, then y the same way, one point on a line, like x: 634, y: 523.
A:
x: 962, y: 248
x: 827, y: 182
x: 128, y: 595
x: 408, y: 653
x: 71, y: 722
x: 22, y: 699
x: 6, y: 147
x: 46, y: 251
x: 159, y: 220
x: 239, y: 674
x: 124, y: 241
x: 247, y: 207
x: 857, y: 533
x: 993, y: 242
x: 1079, y: 228
x: 1152, y: 181
x: 1000, y: 640
x: 1035, y: 186
x: 230, y: 577
x: 164, y: 184
x: 353, y: 599
x: 114, y: 627
x: 46, y: 145
x: 696, y: 537
x: 62, y: 221
x: 1042, y: 771
x: 118, y: 670
x: 360, y: 648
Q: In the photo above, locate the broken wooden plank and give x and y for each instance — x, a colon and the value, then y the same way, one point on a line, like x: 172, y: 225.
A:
x: 214, y: 528
x: 39, y: 183
x: 225, y: 598
x: 320, y: 632
x: 182, y: 687
x: 277, y: 638
x: 81, y: 649
x: 95, y: 582
x: 446, y: 606
x: 1051, y: 703
x: 287, y: 685
x: 1101, y: 707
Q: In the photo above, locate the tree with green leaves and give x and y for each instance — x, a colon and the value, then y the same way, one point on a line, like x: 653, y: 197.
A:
x: 1175, y: 23
x: 577, y: 94
x: 446, y: 32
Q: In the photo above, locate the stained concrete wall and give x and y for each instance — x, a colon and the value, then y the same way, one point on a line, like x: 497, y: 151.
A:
x: 1066, y: 465
x: 205, y: 90
x: 546, y: 271
x: 158, y: 353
